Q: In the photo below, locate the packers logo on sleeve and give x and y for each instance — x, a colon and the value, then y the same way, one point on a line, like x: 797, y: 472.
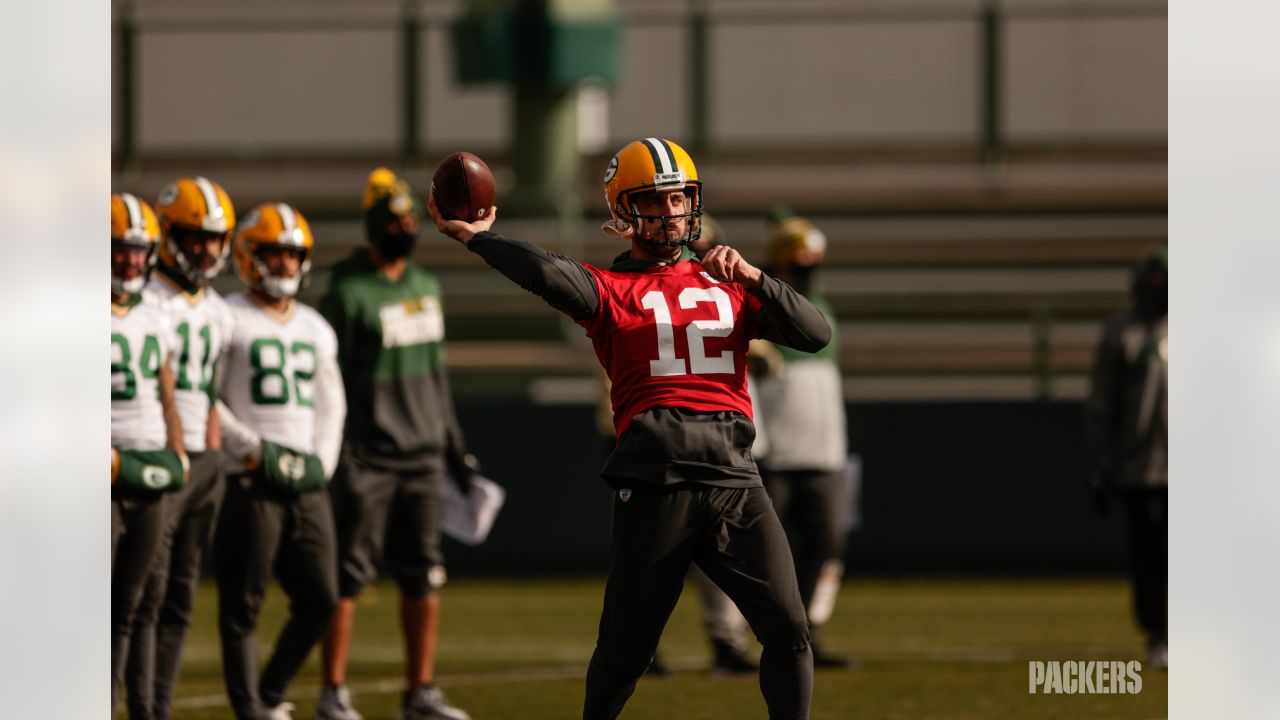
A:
x: 156, y: 477
x: 292, y: 466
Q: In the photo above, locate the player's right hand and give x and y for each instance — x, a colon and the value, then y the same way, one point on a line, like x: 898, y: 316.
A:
x: 457, y: 229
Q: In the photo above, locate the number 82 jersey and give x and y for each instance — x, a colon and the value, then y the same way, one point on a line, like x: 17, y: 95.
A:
x: 671, y: 336
x: 269, y: 375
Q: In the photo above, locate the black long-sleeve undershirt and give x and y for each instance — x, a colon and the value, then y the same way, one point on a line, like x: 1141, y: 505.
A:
x: 789, y: 318
x: 786, y: 317
x: 563, y: 282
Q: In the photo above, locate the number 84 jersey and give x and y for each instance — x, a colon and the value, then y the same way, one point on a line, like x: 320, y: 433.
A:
x: 273, y: 370
x: 671, y: 336
x: 141, y: 339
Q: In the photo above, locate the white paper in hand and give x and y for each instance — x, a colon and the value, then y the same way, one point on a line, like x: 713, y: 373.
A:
x: 468, y: 518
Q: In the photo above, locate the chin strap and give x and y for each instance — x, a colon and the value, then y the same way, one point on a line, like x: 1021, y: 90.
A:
x: 618, y: 230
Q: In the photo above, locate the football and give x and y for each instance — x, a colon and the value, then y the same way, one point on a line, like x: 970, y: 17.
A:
x: 463, y: 187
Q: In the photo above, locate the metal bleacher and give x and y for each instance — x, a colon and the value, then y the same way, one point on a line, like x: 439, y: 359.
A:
x: 985, y: 179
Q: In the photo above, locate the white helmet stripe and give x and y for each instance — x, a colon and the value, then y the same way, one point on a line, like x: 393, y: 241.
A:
x: 662, y: 154
x: 136, y: 221
x: 287, y: 221
x: 213, y: 208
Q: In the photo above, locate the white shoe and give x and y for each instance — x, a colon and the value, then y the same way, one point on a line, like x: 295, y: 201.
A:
x: 429, y: 703
x: 283, y: 711
x: 335, y: 704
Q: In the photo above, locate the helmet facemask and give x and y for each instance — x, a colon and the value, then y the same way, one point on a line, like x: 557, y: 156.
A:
x: 278, y: 286
x: 186, y: 266
x: 652, y: 228
x: 133, y: 285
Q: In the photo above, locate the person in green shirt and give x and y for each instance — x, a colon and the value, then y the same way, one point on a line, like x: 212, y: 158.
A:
x: 401, y: 442
x: 802, y: 404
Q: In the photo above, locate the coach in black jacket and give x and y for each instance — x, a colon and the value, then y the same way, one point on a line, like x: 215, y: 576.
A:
x: 1128, y: 434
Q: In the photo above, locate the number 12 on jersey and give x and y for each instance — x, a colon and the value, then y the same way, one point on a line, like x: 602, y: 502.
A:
x: 699, y: 364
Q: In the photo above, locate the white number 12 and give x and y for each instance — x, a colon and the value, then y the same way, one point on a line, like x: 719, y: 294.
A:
x: 667, y: 362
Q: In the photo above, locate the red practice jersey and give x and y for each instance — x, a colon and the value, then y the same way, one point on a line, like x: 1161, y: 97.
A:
x: 671, y: 336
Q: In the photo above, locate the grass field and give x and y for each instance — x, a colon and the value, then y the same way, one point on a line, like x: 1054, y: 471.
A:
x: 929, y: 649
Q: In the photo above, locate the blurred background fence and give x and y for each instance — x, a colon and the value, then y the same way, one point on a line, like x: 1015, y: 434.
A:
x: 985, y: 172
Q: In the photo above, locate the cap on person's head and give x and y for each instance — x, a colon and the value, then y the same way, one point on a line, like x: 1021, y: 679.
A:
x: 387, y: 199
x: 795, y: 241
x: 1154, y: 266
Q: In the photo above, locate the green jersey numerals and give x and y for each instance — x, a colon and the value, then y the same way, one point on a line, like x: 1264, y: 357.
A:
x: 122, y: 364
x: 270, y: 385
x: 205, y: 369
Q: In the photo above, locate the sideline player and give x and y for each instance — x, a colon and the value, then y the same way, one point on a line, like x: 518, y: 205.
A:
x: 1127, y: 415
x: 196, y: 218
x: 401, y: 437
x: 147, y: 455
x: 282, y: 411
x: 672, y: 333
x: 803, y: 407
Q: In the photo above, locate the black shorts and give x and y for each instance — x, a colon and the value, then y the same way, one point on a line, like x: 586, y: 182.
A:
x: 390, y: 517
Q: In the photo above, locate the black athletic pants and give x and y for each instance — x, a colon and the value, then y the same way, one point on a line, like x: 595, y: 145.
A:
x: 389, y: 516
x: 735, y: 538
x: 263, y: 530
x: 810, y: 504
x: 137, y: 523
x: 160, y: 625
x: 1147, y: 517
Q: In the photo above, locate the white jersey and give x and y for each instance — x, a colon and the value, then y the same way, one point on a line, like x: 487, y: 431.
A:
x: 279, y: 381
x: 202, y: 323
x: 141, y: 338
x: 803, y: 408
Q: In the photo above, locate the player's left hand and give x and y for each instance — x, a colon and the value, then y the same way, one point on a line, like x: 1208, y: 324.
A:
x: 727, y: 265
x: 458, y: 229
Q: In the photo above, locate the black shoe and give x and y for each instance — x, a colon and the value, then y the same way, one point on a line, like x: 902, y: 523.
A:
x: 657, y: 667
x: 823, y: 659
x: 730, y: 661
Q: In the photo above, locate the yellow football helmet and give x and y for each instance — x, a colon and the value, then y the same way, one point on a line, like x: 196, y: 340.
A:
x: 194, y: 205
x: 272, y: 224
x: 133, y: 222
x: 795, y: 241
x: 645, y: 165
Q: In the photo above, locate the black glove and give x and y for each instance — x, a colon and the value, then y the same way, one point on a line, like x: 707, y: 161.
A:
x: 460, y: 467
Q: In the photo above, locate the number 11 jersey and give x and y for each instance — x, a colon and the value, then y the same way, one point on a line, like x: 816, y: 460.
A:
x: 671, y: 336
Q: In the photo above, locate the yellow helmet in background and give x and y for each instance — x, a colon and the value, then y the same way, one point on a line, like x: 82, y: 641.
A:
x: 194, y: 205
x: 133, y: 222
x: 645, y: 165
x: 272, y: 224
x: 795, y: 241
x: 388, y: 199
